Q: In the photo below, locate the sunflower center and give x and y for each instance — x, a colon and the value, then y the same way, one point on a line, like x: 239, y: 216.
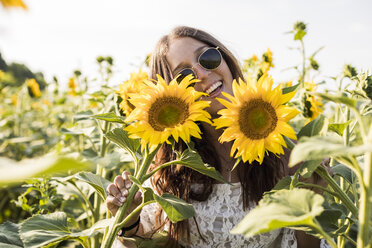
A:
x: 167, y: 112
x: 257, y: 119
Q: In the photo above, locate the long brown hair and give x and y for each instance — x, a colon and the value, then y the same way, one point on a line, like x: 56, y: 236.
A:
x: 255, y: 179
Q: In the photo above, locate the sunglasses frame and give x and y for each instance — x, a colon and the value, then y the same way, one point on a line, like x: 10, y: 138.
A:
x: 191, y: 68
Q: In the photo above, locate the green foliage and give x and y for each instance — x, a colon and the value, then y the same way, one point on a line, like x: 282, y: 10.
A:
x: 9, y: 236
x: 175, y: 208
x: 322, y: 147
x: 84, y: 129
x: 47, y: 230
x: 12, y: 172
x: 190, y: 158
x: 284, y: 208
x: 96, y: 181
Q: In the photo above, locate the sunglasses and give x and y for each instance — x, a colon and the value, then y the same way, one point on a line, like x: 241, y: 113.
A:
x: 210, y: 59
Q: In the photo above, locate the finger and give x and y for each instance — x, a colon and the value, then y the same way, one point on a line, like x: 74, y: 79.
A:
x: 127, y: 181
x: 113, y: 202
x: 113, y: 190
x: 119, y: 182
x: 138, y: 198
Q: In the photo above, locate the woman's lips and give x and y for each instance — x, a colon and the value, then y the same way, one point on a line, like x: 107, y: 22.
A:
x: 215, y: 89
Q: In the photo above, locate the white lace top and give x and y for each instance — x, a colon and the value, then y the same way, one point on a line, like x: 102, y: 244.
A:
x: 217, y: 216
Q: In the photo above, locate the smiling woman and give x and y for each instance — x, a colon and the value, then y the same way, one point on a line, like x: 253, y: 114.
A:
x: 187, y: 52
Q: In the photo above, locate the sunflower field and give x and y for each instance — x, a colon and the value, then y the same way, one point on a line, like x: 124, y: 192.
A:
x: 60, y: 149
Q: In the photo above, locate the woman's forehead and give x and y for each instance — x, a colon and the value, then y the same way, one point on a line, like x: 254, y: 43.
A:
x: 183, y: 50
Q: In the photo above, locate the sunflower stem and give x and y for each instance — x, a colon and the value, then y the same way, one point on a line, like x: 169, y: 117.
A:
x: 148, y: 175
x: 289, y: 142
x: 365, y: 202
x: 114, y: 228
x: 320, y: 230
x: 310, y: 185
x: 321, y: 171
x: 302, y: 82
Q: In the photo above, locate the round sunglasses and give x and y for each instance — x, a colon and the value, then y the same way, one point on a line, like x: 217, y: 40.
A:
x: 210, y: 59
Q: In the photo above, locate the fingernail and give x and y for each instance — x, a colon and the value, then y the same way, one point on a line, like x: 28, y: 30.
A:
x: 124, y: 192
x: 127, y: 185
x: 122, y: 199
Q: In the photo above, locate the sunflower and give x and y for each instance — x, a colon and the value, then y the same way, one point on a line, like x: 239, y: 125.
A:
x: 72, y: 86
x: 162, y: 111
x: 312, y: 106
x: 34, y: 87
x: 255, y: 119
x: 133, y: 85
x: 13, y: 3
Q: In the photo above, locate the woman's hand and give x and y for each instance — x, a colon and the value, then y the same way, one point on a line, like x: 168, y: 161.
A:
x: 118, y: 192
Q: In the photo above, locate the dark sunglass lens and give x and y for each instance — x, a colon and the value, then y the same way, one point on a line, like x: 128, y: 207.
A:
x: 210, y: 59
x: 184, y: 73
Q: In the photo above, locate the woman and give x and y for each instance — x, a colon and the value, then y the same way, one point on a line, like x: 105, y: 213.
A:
x: 219, y: 207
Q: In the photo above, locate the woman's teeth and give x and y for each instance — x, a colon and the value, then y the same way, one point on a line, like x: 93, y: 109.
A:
x: 213, y: 87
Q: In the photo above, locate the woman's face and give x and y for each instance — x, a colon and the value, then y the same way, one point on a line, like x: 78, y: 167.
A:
x: 183, y: 53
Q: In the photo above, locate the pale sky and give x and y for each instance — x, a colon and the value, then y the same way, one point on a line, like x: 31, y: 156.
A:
x: 57, y: 37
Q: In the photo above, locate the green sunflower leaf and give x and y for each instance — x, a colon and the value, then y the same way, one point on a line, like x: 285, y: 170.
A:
x: 9, y: 237
x: 345, y: 172
x: 191, y: 159
x: 110, y: 117
x: 96, y: 181
x: 351, y: 102
x: 339, y: 127
x: 50, y: 229
x: 318, y: 147
x: 159, y: 239
x: 12, y: 172
x: 284, y: 183
x: 299, y: 35
x: 308, y: 167
x: 290, y: 89
x: 313, y: 128
x: 175, y: 208
x: 284, y: 208
x: 120, y: 137
x: 81, y: 116
x: 82, y: 131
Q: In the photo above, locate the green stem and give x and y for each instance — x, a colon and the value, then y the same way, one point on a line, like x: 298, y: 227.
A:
x: 302, y: 82
x: 310, y: 185
x: 350, y: 240
x: 321, y: 171
x: 289, y: 142
x: 147, y: 176
x: 85, y: 198
x: 318, y: 229
x: 100, y: 172
x: 344, y: 235
x: 361, y: 125
x: 114, y: 228
x: 365, y: 203
x: 346, y: 136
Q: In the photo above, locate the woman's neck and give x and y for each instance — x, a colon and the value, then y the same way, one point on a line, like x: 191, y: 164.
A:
x: 223, y: 152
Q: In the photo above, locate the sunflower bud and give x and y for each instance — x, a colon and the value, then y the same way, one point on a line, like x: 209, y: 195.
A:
x: 306, y: 105
x: 100, y: 59
x: 148, y: 59
x: 109, y: 60
x: 299, y: 26
x: 299, y: 30
x: 366, y: 86
x: 77, y: 73
x: 314, y: 64
x: 349, y: 71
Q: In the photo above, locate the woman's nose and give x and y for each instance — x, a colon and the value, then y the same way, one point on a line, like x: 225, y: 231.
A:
x: 201, y: 72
